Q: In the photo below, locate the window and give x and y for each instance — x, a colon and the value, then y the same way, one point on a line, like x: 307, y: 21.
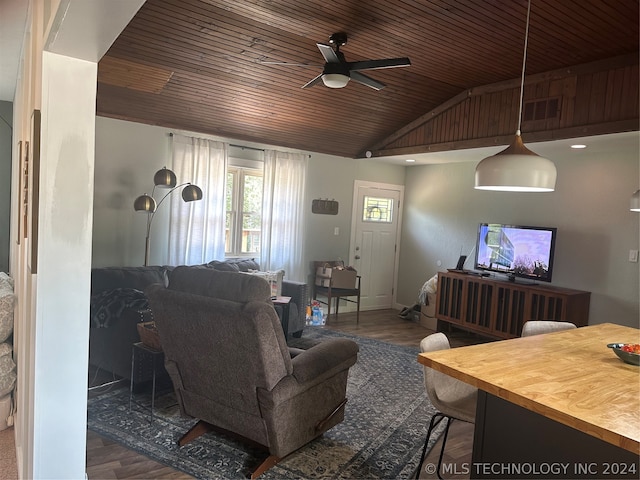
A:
x: 378, y: 210
x: 244, y: 211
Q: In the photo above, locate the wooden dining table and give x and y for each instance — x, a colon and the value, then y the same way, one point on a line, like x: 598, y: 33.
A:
x: 562, y: 401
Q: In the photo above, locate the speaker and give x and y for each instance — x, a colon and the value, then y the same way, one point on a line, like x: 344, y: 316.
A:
x: 461, y: 260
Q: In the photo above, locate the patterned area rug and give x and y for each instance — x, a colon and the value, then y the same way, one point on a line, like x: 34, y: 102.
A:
x: 386, y: 421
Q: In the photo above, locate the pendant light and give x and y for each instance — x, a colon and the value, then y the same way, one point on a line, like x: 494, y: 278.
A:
x: 517, y: 169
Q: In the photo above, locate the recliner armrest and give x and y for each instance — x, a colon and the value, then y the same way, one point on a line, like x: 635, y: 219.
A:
x: 310, y: 368
x: 323, y: 358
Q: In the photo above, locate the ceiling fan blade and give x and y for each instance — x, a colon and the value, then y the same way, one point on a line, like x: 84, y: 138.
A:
x: 328, y: 53
x: 368, y: 81
x: 311, y: 83
x: 377, y: 64
x: 287, y: 64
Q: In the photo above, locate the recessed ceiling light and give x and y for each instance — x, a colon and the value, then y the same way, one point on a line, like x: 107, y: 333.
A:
x: 410, y: 160
x: 578, y: 145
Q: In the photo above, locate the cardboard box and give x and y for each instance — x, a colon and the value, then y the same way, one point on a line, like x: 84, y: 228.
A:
x: 336, y: 278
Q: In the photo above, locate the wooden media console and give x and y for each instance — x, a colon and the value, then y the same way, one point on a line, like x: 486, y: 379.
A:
x: 499, y: 308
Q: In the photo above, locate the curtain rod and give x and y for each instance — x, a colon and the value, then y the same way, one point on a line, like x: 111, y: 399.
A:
x: 237, y: 146
x: 248, y: 148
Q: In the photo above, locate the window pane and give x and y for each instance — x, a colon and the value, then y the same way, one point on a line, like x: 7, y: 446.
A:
x: 378, y: 210
x: 251, y: 213
x: 227, y: 234
x: 229, y: 218
x: 244, y: 211
x: 252, y: 201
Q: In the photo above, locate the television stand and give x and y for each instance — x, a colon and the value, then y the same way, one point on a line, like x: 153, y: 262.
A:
x: 499, y: 308
x: 514, y: 279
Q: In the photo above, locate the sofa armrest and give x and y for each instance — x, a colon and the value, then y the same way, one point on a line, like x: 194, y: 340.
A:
x: 324, y: 358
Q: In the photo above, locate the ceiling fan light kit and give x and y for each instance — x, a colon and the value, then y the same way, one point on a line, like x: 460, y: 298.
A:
x: 337, y: 72
x: 516, y: 168
x: 335, y: 80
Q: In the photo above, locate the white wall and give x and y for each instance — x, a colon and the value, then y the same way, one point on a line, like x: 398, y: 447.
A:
x: 62, y: 329
x: 127, y: 156
x: 590, y: 208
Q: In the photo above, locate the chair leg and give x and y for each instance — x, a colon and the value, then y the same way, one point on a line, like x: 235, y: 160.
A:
x: 435, y: 421
x: 194, y: 432
x: 269, y: 462
x: 444, y: 442
x: 358, y: 310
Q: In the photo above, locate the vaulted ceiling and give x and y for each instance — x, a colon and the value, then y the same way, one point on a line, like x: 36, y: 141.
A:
x: 207, y: 65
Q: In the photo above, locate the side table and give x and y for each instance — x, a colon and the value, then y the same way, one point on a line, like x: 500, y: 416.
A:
x: 142, y: 352
x: 284, y: 303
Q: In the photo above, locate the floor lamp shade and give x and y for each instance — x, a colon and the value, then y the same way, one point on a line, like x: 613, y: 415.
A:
x: 191, y: 193
x: 635, y: 201
x: 144, y: 203
x: 165, y: 178
x: 516, y: 169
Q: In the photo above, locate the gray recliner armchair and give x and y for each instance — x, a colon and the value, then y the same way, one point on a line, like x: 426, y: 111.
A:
x: 232, y: 370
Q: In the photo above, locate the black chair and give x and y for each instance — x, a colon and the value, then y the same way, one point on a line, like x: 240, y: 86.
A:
x: 330, y: 292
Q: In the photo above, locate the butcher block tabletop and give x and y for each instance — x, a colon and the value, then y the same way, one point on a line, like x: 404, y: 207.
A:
x: 569, y: 376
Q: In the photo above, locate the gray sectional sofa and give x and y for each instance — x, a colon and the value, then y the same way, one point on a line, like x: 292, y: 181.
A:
x: 118, y: 304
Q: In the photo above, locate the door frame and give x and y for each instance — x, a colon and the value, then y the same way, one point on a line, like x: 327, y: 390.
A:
x: 354, y: 215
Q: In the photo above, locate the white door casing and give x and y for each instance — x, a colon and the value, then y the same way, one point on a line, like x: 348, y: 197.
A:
x: 373, y: 246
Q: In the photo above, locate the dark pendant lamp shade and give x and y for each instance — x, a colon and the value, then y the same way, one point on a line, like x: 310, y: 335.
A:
x: 165, y: 178
x: 191, y: 193
x: 144, y: 203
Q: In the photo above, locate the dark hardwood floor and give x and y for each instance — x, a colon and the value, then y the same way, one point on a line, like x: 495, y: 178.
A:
x: 108, y: 460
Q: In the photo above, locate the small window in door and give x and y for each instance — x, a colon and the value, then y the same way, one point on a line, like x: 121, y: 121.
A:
x: 379, y: 210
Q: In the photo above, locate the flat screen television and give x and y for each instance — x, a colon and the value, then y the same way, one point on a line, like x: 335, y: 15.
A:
x: 516, y: 251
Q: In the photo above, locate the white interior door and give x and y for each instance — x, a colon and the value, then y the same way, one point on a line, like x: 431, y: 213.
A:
x: 375, y: 234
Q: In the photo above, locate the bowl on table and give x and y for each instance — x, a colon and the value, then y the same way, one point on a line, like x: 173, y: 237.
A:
x: 625, y: 351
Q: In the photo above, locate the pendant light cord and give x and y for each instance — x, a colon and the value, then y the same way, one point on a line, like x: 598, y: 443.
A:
x: 524, y: 63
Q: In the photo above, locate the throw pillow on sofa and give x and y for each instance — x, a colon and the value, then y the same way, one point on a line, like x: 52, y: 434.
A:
x: 223, y: 266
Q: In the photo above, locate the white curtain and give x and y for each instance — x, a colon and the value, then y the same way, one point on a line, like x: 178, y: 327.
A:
x: 283, y: 213
x: 196, y: 229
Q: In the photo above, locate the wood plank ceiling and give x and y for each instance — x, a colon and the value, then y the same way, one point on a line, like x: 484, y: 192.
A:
x: 199, y: 65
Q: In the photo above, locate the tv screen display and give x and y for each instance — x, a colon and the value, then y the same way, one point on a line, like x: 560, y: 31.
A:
x: 517, y: 251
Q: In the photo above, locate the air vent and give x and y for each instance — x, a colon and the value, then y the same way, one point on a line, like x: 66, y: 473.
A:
x: 541, y: 109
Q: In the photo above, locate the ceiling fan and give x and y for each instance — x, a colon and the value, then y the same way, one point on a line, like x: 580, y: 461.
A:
x: 337, y: 71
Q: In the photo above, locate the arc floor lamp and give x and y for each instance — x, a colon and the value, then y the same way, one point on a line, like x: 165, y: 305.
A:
x: 164, y: 178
